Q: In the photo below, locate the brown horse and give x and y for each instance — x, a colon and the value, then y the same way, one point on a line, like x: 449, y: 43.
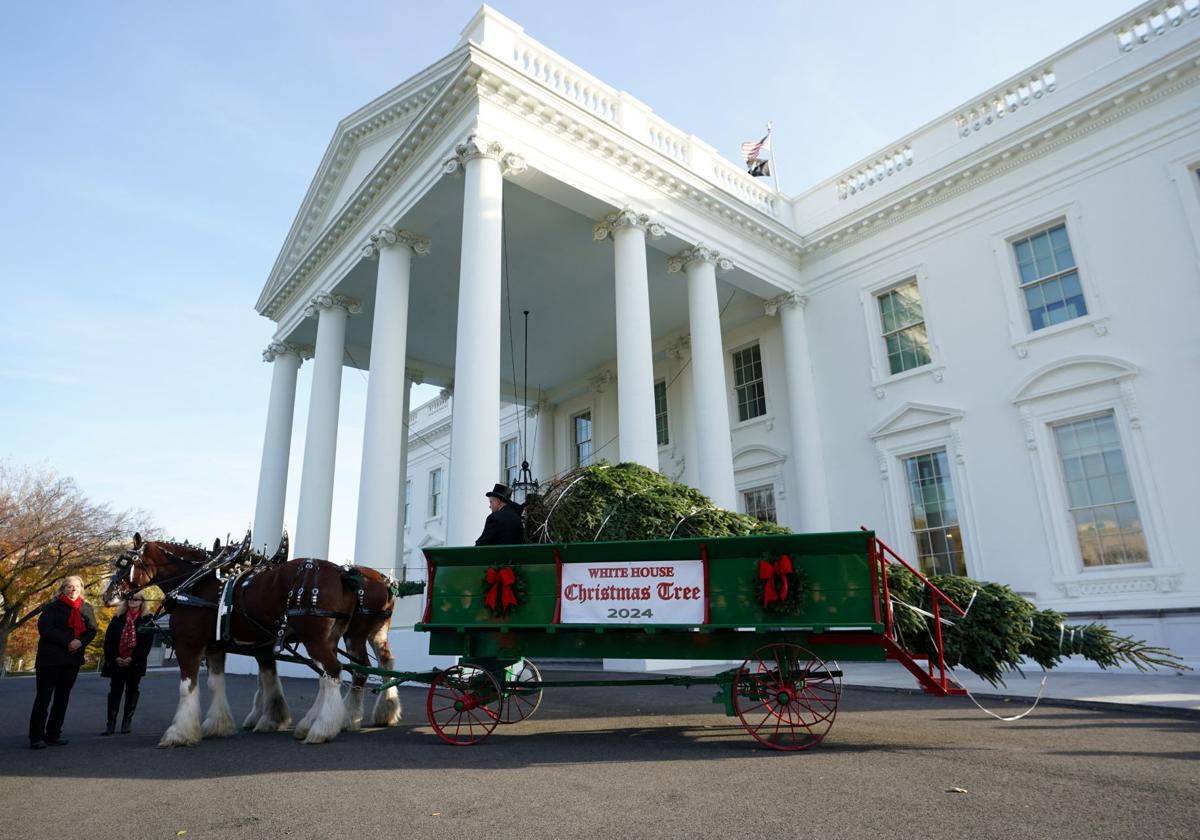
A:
x: 303, y: 599
x: 370, y: 624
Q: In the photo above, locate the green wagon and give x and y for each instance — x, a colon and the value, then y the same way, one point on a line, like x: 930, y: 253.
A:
x: 788, y: 607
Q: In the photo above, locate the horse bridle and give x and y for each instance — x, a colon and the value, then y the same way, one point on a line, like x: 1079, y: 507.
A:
x: 133, y: 557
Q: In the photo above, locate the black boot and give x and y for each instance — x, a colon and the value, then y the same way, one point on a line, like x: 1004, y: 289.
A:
x: 114, y: 703
x: 131, y: 698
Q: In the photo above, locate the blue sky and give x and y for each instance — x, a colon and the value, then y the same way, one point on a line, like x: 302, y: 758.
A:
x: 154, y: 154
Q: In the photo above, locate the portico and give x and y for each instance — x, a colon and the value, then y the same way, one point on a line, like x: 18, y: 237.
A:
x: 503, y: 179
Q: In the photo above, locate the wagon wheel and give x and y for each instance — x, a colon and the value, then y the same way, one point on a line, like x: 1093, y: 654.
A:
x: 786, y: 697
x: 464, y: 704
x: 521, y: 702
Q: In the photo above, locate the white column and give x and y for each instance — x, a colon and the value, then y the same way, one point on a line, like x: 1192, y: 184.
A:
x: 320, y: 440
x: 401, y: 559
x: 475, y: 431
x: 277, y: 444
x: 635, y: 359
x: 542, y: 462
x: 808, y: 461
x: 709, y: 399
x: 383, y: 422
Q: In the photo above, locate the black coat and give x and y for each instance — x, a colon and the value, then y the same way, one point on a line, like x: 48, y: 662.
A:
x: 54, y: 635
x: 112, y: 647
x: 504, y: 527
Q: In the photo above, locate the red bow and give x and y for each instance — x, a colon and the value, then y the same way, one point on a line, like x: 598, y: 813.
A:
x: 501, y: 581
x: 770, y: 572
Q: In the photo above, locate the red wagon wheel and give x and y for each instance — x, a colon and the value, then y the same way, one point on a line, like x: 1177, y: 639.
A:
x: 464, y: 704
x: 786, y: 697
x: 521, y: 701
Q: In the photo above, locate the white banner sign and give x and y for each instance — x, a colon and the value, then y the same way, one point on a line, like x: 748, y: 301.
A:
x: 669, y: 592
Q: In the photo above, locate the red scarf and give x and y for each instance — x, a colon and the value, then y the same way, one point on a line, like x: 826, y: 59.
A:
x: 75, y: 620
x: 128, y: 634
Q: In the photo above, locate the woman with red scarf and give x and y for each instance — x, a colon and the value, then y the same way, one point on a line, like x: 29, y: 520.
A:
x: 65, y: 627
x: 125, y: 654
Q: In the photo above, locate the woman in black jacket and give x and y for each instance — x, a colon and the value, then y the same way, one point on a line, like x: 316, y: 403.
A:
x: 65, y: 627
x: 125, y: 653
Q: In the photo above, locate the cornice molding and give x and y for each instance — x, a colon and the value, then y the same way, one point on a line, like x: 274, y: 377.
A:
x: 626, y: 217
x: 282, y: 348
x: 482, y: 76
x: 387, y: 237
x: 506, y: 86
x: 328, y: 300
x: 476, y: 147
x: 697, y: 254
x: 1006, y: 154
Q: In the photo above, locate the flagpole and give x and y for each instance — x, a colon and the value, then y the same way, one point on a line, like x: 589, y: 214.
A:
x: 774, y: 167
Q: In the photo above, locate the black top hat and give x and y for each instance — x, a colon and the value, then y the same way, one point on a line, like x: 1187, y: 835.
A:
x: 501, y: 492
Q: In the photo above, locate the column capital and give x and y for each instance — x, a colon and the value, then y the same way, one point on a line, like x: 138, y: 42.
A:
x: 388, y: 236
x: 787, y: 300
x: 328, y: 300
x: 698, y: 253
x: 602, y: 380
x: 626, y: 217
x: 539, y: 407
x: 679, y: 348
x: 281, y: 348
x: 416, y: 377
x: 477, y: 146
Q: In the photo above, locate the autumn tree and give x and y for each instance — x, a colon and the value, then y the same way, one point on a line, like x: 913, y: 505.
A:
x: 49, y: 529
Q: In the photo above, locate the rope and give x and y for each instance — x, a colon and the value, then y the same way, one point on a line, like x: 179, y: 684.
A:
x: 1010, y: 718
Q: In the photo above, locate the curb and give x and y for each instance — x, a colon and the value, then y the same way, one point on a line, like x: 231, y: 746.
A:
x: 1068, y: 702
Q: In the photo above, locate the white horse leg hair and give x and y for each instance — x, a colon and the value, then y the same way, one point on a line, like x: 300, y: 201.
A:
x: 387, y: 703
x: 331, y: 714
x: 256, y: 710
x: 218, y: 723
x: 354, y: 708
x: 275, y: 712
x: 184, y: 730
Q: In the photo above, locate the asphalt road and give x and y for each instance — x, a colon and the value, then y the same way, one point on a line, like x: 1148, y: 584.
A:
x: 658, y: 762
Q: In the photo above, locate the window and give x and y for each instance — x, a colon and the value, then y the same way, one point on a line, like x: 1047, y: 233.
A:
x: 435, y: 492
x: 748, y: 383
x: 1049, y: 277
x: 903, y: 323
x: 660, y: 413
x: 1099, y: 492
x: 760, y: 502
x: 934, y: 514
x: 407, y: 500
x: 583, y: 438
x: 510, y: 467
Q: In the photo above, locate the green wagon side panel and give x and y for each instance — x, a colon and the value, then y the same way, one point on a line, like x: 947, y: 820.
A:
x: 626, y: 643
x: 838, y: 596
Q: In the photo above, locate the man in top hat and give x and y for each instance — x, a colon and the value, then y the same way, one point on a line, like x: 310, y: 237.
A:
x: 503, y: 525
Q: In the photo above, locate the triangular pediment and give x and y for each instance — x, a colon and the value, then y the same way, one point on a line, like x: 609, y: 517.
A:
x: 914, y: 416
x: 1072, y: 374
x: 360, y: 143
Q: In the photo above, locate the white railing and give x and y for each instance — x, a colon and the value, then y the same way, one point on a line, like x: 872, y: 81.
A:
x: 667, y: 140
x: 586, y: 91
x: 741, y: 184
x: 636, y: 121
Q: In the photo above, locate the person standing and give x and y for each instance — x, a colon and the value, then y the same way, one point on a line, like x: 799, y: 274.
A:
x: 503, y: 525
x: 126, y: 650
x: 65, y: 627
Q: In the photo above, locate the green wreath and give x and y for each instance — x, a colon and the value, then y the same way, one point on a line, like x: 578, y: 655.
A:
x: 504, y: 589
x: 781, y: 585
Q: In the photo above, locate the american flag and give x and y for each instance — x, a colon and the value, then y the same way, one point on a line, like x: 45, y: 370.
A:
x: 752, y: 151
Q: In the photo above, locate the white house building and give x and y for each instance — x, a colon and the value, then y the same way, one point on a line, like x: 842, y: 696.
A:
x: 982, y: 341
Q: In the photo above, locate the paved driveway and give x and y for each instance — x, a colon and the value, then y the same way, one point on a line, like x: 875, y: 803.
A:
x: 613, y: 763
